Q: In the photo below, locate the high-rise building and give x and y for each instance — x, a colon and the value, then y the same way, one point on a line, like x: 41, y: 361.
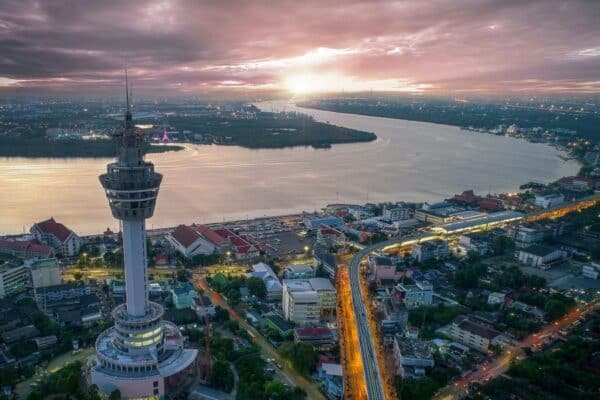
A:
x: 141, y: 355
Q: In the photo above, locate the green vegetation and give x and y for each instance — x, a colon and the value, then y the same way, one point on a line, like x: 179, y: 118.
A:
x: 303, y: 356
x: 271, y: 133
x: 221, y: 376
x: 255, y: 383
x: 480, y: 114
x: 256, y: 287
x: 65, y: 381
x: 561, y: 373
x: 41, y: 147
x: 425, y: 388
x: 228, y: 286
x: 433, y: 317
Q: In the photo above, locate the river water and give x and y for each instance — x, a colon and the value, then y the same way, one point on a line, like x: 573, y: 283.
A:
x: 412, y: 161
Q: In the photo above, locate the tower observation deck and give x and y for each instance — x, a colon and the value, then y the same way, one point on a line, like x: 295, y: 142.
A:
x: 141, y: 355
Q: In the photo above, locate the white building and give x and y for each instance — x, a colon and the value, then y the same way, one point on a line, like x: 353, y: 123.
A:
x: 473, y: 334
x: 539, y: 256
x: 268, y: 276
x: 44, y: 272
x: 591, y: 271
x: 300, y: 297
x: 495, y: 298
x: 64, y: 241
x: 411, y: 356
x: 433, y: 249
x: 413, y: 296
x: 189, y: 242
x: 13, y: 279
x: 474, y: 243
x: 298, y: 272
x: 394, y: 214
x: 549, y: 200
x: 360, y: 213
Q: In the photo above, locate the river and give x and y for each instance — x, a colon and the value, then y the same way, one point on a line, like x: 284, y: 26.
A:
x: 412, y: 161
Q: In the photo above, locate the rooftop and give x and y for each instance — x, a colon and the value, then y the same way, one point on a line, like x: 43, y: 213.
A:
x: 51, y: 227
x: 539, y: 250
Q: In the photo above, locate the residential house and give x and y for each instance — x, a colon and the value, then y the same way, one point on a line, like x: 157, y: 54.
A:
x: 549, y: 200
x: 332, y: 377
x: 416, y: 295
x: 268, y: 276
x: 183, y: 295
x: 329, y: 236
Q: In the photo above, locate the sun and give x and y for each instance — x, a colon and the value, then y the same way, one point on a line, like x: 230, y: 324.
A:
x: 303, y: 84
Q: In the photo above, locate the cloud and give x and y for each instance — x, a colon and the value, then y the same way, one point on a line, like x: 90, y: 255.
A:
x: 186, y: 46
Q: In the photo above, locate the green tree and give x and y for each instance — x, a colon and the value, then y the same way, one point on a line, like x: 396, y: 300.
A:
x: 302, y: 355
x: 221, y: 376
x: 274, y: 390
x: 256, y: 287
x: 115, y: 395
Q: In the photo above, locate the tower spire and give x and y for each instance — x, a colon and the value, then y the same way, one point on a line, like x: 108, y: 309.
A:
x: 127, y: 90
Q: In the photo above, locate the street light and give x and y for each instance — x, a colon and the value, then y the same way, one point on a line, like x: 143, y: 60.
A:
x: 306, y: 249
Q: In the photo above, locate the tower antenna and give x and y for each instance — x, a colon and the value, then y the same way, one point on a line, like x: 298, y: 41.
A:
x: 127, y: 89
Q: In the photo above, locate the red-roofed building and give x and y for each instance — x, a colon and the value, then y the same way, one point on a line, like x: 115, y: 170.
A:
x: 328, y: 236
x: 242, y: 247
x: 318, y: 336
x: 467, y: 197
x: 189, y: 242
x: 490, y: 204
x: 578, y: 183
x: 64, y: 241
x: 26, y: 249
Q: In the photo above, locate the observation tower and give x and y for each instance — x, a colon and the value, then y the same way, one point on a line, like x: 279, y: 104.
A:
x: 141, y: 355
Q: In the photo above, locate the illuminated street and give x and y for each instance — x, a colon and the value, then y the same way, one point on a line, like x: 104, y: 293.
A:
x: 349, y: 344
x: 486, y: 371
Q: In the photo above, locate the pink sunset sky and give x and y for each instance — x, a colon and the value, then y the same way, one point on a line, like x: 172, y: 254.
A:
x: 188, y: 47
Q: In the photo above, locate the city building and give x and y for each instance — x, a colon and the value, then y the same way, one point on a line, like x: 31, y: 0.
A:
x: 268, y: 276
x: 394, y: 316
x: 591, y: 271
x: 360, y: 213
x: 413, y: 296
x: 327, y: 261
x: 305, y: 301
x: 298, y: 272
x: 64, y: 241
x: 243, y: 249
x: 474, y: 242
x: 540, y: 256
x: 25, y: 249
x: 14, y: 277
x: 433, y: 249
x: 188, y: 241
x: 332, y: 377
x: 318, y: 336
x: 44, y: 272
x: 332, y: 221
x: 526, y: 235
x: 411, y: 356
x: 394, y: 214
x: 549, y: 200
x: 495, y: 298
x: 279, y: 325
x: 67, y: 291
x: 383, y: 268
x: 183, y: 295
x: 472, y: 333
x: 328, y: 236
x: 141, y: 355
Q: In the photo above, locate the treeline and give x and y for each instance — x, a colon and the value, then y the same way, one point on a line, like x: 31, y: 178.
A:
x: 44, y: 148
x: 275, y: 133
x: 477, y: 114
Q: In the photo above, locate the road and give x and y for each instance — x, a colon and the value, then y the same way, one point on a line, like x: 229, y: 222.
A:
x: 488, y: 371
x: 373, y: 376
x: 312, y: 391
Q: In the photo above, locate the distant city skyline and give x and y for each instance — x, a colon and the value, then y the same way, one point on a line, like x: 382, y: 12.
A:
x: 188, y: 48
